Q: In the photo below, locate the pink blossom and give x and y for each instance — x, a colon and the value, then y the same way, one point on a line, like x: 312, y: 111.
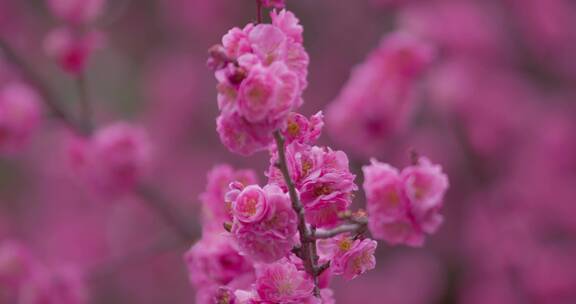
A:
x: 72, y: 49
x: 288, y: 23
x: 214, y: 261
x: 268, y: 94
x: 425, y: 185
x: 404, y: 206
x: 64, y: 286
x: 114, y: 159
x: 322, y: 177
x: 261, y: 72
x: 350, y: 257
x: 216, y: 208
x: 384, y: 190
x: 77, y: 11
x: 282, y: 282
x: 242, y: 137
x: 377, y: 102
x: 19, y: 116
x: 273, y: 236
x: 303, y: 130
x: 251, y: 205
x: 16, y: 264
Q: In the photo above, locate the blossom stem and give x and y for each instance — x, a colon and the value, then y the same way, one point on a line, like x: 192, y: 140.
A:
x: 258, y: 11
x: 344, y: 228
x: 308, y: 243
x: 35, y: 80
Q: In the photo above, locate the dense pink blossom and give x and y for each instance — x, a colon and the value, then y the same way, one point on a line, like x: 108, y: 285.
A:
x: 76, y: 11
x: 323, y: 179
x: 270, y: 236
x: 114, y: 159
x: 282, y: 282
x: 19, y: 115
x: 216, y: 210
x: 303, y: 130
x: 261, y: 72
x: 268, y: 94
x: 350, y: 257
x: 71, y: 49
x: 214, y: 261
x: 378, y: 100
x: 404, y: 206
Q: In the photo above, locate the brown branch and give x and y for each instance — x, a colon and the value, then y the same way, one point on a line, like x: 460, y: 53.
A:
x: 308, y: 243
x: 86, y: 112
x: 49, y: 99
x: 162, y: 207
x: 344, y: 228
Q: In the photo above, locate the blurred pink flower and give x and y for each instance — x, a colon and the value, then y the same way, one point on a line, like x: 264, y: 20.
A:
x: 70, y: 49
x: 19, y: 116
x: 404, y: 206
x: 282, y: 282
x: 114, y: 159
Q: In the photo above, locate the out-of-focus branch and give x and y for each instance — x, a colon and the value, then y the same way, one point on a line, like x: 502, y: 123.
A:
x: 49, y: 99
x: 149, y: 196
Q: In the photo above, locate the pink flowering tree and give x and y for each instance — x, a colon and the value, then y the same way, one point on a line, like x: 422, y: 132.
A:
x: 284, y: 241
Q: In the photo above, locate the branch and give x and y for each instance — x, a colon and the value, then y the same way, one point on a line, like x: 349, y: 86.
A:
x: 85, y: 107
x: 160, y: 206
x: 357, y: 228
x: 49, y: 99
x: 308, y: 243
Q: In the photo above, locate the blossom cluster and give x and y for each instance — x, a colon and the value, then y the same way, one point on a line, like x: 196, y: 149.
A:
x: 378, y: 100
x: 24, y: 279
x: 283, y: 242
x: 403, y: 206
x: 261, y: 71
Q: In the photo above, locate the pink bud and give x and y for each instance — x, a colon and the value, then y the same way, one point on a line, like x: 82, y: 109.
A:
x: 72, y: 50
x: 250, y: 206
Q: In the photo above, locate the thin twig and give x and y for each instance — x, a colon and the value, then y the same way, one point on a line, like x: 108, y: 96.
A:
x: 85, y: 106
x: 49, y: 99
x: 344, y: 228
x: 308, y: 243
x: 160, y: 206
x: 258, y: 11
x: 153, y: 199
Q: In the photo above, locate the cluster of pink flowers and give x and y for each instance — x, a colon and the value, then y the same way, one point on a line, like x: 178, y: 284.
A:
x: 377, y: 102
x: 25, y: 280
x: 19, y: 115
x: 72, y: 43
x: 261, y: 72
x: 403, y: 206
x: 323, y: 179
x: 282, y: 243
x: 112, y: 160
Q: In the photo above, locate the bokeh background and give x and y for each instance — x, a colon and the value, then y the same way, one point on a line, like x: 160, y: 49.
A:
x: 496, y: 108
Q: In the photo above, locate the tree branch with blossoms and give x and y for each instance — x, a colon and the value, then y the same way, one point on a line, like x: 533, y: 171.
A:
x: 292, y: 235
